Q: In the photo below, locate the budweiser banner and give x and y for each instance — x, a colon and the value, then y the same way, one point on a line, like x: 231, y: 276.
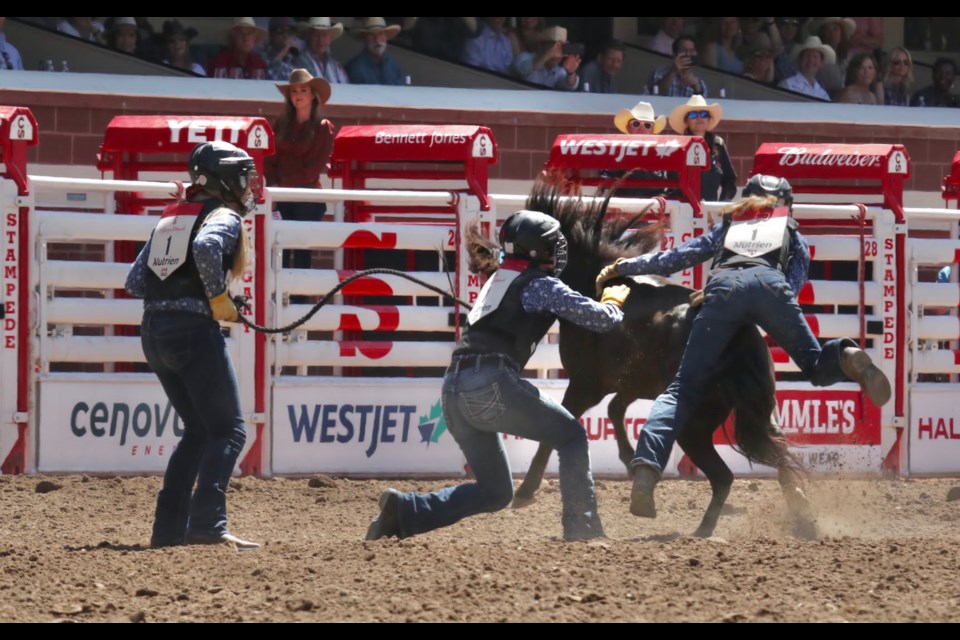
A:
x: 832, y: 161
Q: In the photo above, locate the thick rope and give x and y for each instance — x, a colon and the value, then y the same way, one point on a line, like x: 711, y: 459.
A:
x: 241, y: 301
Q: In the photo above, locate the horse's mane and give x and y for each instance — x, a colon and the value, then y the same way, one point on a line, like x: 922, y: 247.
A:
x: 591, y: 237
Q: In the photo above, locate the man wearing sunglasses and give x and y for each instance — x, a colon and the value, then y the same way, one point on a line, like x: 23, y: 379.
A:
x: 678, y: 79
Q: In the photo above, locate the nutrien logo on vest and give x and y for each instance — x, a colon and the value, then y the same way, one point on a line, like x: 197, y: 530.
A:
x: 123, y: 421
x: 364, y: 423
x: 799, y: 156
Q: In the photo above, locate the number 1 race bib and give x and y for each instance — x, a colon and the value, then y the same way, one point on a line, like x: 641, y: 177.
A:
x: 171, y: 238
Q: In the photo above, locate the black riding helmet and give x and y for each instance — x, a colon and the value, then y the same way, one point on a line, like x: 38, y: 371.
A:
x: 224, y: 171
x: 534, y: 236
x: 764, y: 185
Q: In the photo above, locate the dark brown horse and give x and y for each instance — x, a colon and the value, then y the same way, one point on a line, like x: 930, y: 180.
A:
x: 639, y: 358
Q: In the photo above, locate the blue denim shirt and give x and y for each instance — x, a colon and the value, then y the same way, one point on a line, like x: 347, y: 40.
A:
x: 553, y: 296
x: 703, y: 248
x: 217, y: 236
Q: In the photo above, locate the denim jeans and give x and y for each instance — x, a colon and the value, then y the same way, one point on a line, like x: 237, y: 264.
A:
x: 480, y: 401
x: 302, y: 211
x: 734, y: 298
x: 188, y: 354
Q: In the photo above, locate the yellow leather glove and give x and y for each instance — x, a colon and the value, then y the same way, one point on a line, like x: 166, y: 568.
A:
x: 696, y: 298
x: 223, y: 308
x: 608, y: 273
x: 616, y: 294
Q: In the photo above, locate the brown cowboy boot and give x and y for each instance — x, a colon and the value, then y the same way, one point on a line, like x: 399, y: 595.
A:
x: 858, y: 366
x: 645, y: 479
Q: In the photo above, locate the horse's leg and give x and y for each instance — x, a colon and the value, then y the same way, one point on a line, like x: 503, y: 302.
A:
x: 803, y: 522
x: 576, y: 400
x: 524, y: 495
x: 697, y: 443
x: 617, y: 412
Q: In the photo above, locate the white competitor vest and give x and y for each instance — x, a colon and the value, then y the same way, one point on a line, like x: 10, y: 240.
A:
x: 171, y: 238
x: 492, y: 294
x: 760, y: 233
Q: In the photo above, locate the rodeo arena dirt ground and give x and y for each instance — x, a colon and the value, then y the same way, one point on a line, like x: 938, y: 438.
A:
x: 74, y: 549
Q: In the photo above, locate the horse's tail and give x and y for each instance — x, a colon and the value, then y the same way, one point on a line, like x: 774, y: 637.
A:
x: 484, y: 253
x: 751, y: 386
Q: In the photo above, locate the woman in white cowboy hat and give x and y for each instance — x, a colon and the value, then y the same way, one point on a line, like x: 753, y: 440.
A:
x: 374, y: 65
x: 304, y: 142
x: 239, y: 60
x: 318, y: 34
x: 697, y: 118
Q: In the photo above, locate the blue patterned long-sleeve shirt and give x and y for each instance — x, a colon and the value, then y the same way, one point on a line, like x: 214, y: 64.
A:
x: 217, y: 236
x: 703, y: 248
x: 553, y: 296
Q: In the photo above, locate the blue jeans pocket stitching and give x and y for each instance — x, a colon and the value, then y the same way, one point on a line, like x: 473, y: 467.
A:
x: 485, y: 405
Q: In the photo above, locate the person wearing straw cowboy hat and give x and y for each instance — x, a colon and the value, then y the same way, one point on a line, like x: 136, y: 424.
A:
x: 304, y: 141
x: 239, y: 60
x: 810, y: 57
x: 318, y: 34
x: 639, y: 120
x: 548, y: 65
x: 374, y: 65
x: 836, y: 34
x: 697, y: 118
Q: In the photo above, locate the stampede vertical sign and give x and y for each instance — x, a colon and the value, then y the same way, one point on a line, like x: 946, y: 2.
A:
x: 18, y: 130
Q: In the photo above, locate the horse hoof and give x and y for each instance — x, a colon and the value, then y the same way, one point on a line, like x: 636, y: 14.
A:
x: 519, y: 502
x: 703, y: 533
x: 805, y: 530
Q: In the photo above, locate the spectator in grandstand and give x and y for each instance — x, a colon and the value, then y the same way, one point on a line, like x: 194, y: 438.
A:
x: 836, y: 34
x: 640, y: 120
x: 238, y: 59
x: 600, y: 74
x: 548, y: 65
x: 280, y: 50
x: 784, y: 64
x: 670, y: 30
x: 526, y: 35
x: 184, y: 273
x: 861, y: 83
x: 122, y: 34
x: 757, y: 55
x: 697, y: 118
x: 10, y: 59
x: 484, y: 394
x: 898, y: 79
x: 752, y: 282
x: 318, y: 34
x: 722, y: 48
x: 374, y: 65
x: 679, y: 79
x: 491, y: 48
x: 938, y: 94
x: 304, y: 141
x: 441, y: 37
x: 810, y: 57
x: 84, y: 28
x: 175, y: 46
x: 868, y: 37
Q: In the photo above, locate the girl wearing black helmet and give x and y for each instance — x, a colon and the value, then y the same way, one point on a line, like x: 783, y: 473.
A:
x: 183, y: 273
x: 484, y: 395
x: 759, y: 261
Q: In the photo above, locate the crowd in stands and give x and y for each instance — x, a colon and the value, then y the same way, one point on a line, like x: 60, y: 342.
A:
x: 831, y: 58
